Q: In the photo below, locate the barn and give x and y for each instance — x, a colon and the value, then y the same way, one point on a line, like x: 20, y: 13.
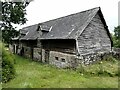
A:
x: 66, y: 41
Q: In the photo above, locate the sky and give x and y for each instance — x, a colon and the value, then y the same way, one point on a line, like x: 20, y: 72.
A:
x: 44, y: 10
x: 119, y: 13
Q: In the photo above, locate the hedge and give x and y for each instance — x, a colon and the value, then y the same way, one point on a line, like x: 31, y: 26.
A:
x: 8, y: 70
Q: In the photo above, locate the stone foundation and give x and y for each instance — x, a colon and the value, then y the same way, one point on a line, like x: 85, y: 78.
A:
x: 116, y: 52
x: 91, y: 58
x: 43, y: 55
x: 62, y: 60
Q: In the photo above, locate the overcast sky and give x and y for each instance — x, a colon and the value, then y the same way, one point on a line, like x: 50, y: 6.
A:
x: 44, y: 10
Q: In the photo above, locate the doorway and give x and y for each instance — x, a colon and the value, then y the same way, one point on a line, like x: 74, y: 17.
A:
x: 32, y: 52
x: 47, y: 56
x: 22, y: 51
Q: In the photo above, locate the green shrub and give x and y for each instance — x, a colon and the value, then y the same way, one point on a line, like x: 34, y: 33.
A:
x: 110, y: 58
x: 8, y: 71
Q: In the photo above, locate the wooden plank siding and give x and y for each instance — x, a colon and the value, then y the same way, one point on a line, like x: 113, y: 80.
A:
x: 65, y: 46
x: 94, y: 38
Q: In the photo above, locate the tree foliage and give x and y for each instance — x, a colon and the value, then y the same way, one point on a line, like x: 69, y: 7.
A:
x: 12, y: 13
x: 116, y: 37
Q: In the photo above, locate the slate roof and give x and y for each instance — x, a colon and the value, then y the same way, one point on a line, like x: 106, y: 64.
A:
x: 30, y: 31
x: 67, y: 27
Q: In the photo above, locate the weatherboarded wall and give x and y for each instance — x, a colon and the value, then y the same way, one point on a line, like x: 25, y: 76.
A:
x: 94, y: 38
x: 60, y: 45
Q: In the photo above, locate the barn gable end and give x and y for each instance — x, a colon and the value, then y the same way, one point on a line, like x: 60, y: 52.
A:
x: 95, y: 37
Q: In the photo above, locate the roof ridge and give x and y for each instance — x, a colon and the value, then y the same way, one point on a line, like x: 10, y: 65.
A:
x: 69, y: 15
x: 89, y: 9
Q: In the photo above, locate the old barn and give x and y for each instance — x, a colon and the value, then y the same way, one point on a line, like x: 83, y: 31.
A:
x: 66, y: 41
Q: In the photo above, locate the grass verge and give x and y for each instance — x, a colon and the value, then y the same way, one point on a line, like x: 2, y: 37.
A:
x: 30, y: 74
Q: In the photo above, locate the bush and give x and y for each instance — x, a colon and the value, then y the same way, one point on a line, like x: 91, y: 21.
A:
x: 8, y: 71
x: 110, y: 58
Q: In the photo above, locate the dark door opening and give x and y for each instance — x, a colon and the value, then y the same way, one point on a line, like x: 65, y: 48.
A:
x: 17, y: 49
x: 14, y: 49
x: 47, y: 56
x: 32, y: 53
x: 22, y: 51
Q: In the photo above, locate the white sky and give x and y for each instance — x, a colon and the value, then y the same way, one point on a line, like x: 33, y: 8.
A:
x: 119, y: 13
x: 44, y: 10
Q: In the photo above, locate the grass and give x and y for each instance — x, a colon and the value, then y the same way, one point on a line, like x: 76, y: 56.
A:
x: 30, y: 74
x: 106, y: 67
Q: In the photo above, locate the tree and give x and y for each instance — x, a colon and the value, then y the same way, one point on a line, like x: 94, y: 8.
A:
x: 12, y: 13
x: 116, y: 37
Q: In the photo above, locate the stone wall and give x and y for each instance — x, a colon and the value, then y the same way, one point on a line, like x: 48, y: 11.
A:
x: 27, y: 52
x: 91, y: 58
x: 11, y: 48
x: 62, y: 60
x: 116, y: 52
x: 43, y: 55
x: 14, y: 48
x: 94, y: 38
x: 37, y: 54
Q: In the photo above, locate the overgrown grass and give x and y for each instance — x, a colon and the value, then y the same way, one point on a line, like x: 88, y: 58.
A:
x: 106, y: 67
x: 32, y: 74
